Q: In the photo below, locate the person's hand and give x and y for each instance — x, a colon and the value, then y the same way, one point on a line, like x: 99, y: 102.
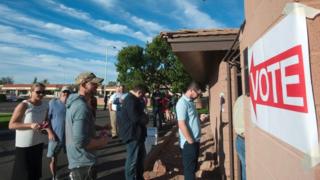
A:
x: 35, y: 126
x: 103, y: 140
x: 190, y: 141
x: 51, y: 137
x: 204, y: 117
x: 108, y: 127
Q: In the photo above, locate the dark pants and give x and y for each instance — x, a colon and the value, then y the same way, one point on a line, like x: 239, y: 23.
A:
x: 190, y: 154
x: 28, y: 163
x: 157, y: 116
x: 83, y: 173
x: 241, y: 151
x: 136, y: 153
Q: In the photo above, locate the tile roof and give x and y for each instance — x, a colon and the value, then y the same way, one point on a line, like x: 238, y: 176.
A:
x: 198, y: 33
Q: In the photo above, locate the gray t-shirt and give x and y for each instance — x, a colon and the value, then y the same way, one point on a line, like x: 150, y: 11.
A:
x: 79, y: 131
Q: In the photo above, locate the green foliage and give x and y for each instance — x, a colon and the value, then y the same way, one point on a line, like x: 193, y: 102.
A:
x: 35, y: 80
x: 6, y: 80
x: 203, y: 111
x: 112, y: 83
x: 45, y: 81
x: 3, y: 98
x: 156, y: 65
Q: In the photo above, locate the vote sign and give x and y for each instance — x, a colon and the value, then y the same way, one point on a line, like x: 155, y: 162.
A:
x: 280, y: 84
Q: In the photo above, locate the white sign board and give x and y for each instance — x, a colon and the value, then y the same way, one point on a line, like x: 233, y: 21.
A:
x: 280, y: 84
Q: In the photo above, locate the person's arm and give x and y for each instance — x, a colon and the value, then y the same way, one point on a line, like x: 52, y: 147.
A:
x: 182, y: 114
x: 110, y: 103
x: 184, y: 130
x: 16, y: 119
x: 97, y: 143
x: 49, y: 130
x: 81, y: 134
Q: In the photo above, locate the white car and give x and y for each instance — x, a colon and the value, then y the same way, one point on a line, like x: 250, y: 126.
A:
x: 12, y: 97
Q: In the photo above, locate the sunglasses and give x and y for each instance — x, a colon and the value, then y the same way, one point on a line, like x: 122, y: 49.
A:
x: 40, y: 92
x: 66, y: 91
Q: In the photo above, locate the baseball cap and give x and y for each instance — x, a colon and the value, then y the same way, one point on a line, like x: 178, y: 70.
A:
x: 65, y: 88
x: 88, y: 77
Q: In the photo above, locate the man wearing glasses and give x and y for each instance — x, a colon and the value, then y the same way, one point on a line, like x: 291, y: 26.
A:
x: 81, y: 141
x: 57, y: 117
x: 189, y: 129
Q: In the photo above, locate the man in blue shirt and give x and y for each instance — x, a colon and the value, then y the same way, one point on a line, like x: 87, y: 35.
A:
x: 57, y: 116
x: 189, y: 130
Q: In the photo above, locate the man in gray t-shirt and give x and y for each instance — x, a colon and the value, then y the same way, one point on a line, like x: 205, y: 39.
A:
x: 81, y: 141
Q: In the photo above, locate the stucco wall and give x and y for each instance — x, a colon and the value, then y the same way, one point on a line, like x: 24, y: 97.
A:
x: 267, y: 157
x: 219, y: 119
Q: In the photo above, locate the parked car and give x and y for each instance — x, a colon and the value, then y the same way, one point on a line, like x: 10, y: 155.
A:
x: 22, y: 97
x: 11, y: 97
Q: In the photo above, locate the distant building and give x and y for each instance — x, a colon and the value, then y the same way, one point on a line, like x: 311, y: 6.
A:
x: 52, y: 90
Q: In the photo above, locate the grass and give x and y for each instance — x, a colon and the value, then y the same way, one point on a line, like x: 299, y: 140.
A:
x: 4, y: 120
x: 5, y: 117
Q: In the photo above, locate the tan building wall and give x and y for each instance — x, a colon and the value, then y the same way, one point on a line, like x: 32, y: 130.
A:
x: 219, y: 118
x: 267, y: 157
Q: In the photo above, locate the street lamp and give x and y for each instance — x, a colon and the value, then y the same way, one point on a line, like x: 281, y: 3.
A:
x: 64, y: 72
x: 105, y: 70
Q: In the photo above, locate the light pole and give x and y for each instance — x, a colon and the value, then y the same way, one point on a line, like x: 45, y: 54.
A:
x: 105, y: 70
x: 64, y: 73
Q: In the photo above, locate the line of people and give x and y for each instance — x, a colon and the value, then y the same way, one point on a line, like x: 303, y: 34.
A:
x: 71, y: 119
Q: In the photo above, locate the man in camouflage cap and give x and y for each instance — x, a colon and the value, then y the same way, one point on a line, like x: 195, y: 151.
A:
x: 80, y: 133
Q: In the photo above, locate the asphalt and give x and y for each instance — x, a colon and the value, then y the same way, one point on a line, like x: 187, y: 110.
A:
x: 111, y: 159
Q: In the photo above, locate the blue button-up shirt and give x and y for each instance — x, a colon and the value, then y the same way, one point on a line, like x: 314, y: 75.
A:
x: 186, y: 111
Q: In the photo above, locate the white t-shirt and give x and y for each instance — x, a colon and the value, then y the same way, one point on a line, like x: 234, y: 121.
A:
x: 116, y: 100
x: 33, y: 114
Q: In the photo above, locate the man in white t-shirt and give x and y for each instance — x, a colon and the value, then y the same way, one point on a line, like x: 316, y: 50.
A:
x: 114, y: 105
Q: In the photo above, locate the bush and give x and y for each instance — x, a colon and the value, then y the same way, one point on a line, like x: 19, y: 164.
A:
x: 203, y: 111
x: 3, y: 98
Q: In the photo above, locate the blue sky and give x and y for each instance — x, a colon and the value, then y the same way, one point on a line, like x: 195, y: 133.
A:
x: 56, y: 40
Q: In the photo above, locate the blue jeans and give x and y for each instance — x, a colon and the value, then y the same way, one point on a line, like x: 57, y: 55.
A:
x: 241, y: 150
x: 136, y: 153
x: 157, y: 117
x: 190, y: 154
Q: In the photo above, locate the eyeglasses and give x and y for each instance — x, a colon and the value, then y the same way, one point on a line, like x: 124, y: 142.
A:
x: 40, y: 92
x: 66, y: 91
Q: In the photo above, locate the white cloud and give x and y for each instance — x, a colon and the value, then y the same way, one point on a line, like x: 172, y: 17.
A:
x: 107, y: 4
x: 12, y: 36
x: 191, y: 17
x: 44, y: 66
x: 76, y: 38
x: 102, y: 25
x: 149, y: 26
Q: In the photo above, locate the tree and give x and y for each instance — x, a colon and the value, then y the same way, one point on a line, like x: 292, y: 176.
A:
x: 156, y: 65
x: 35, y: 80
x: 112, y: 83
x: 45, y: 81
x: 6, y: 80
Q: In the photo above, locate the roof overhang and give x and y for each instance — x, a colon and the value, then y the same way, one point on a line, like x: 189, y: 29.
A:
x: 201, y: 51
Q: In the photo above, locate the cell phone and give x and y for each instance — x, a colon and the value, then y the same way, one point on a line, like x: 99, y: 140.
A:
x: 44, y: 125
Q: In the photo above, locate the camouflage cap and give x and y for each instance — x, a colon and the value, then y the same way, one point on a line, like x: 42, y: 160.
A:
x: 88, y: 77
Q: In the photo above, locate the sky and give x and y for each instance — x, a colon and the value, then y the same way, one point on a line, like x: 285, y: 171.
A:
x: 57, y: 40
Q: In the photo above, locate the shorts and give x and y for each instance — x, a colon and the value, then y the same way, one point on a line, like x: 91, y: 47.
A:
x: 28, y: 163
x: 54, y: 147
x: 83, y: 173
